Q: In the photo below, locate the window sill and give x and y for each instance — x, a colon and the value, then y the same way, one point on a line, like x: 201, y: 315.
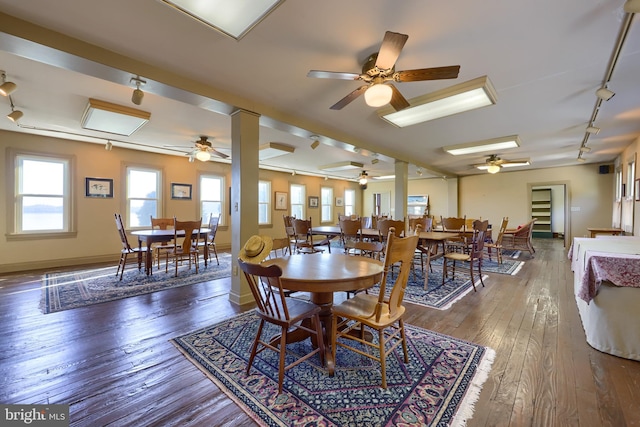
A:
x: 40, y: 236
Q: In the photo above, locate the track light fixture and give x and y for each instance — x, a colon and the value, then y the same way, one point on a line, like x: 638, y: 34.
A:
x: 632, y: 6
x: 604, y: 93
x: 6, y: 88
x: 137, y: 95
x: 108, y: 146
x: 593, y: 130
x: 316, y: 141
x: 581, y: 160
x: 14, y: 115
x: 585, y: 149
x: 419, y: 172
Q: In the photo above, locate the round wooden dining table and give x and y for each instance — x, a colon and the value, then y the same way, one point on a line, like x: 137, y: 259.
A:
x: 322, y: 275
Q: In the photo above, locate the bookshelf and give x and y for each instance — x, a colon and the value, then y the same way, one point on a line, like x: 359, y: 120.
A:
x: 541, y: 209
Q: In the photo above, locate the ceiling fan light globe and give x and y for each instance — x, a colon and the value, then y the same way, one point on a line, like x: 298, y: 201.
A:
x: 493, y: 169
x: 203, y: 156
x: 378, y: 95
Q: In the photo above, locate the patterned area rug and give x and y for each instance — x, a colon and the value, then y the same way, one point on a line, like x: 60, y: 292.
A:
x: 437, y: 295
x: 438, y: 387
x: 509, y: 266
x: 64, y: 291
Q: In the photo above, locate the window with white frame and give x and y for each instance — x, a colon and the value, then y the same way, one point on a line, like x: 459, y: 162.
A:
x: 619, y: 185
x: 264, y: 202
x: 631, y: 173
x: 211, y: 197
x: 349, y: 202
x: 326, y: 204
x: 297, y: 200
x: 143, y: 196
x: 42, y: 194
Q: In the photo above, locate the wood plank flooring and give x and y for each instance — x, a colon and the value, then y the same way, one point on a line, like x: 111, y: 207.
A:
x: 113, y: 362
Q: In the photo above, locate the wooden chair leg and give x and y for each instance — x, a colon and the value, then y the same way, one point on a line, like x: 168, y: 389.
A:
x: 283, y: 353
x: 383, y: 365
x: 254, y: 347
x: 404, y: 340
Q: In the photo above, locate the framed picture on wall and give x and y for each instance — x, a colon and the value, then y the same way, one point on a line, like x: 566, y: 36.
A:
x: 98, y: 187
x: 180, y: 191
x: 281, y: 201
x: 313, y: 201
x: 339, y: 201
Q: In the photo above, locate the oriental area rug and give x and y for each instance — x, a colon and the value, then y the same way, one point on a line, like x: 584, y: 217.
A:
x: 73, y: 289
x: 438, y: 387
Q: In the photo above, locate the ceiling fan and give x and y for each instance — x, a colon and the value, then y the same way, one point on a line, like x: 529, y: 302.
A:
x: 203, y: 150
x: 379, y: 70
x: 494, y: 163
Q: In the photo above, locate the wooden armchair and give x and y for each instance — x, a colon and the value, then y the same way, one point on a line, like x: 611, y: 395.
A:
x: 519, y: 239
x: 377, y: 312
x: 287, y: 313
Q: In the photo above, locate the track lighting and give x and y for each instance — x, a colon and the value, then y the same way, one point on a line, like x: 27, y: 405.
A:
x: 15, y: 115
x: 374, y: 161
x: 585, y: 149
x: 632, y: 6
x: 293, y: 173
x: 594, y: 130
x: 137, y: 95
x: 6, y: 88
x: 192, y: 158
x: 108, y: 146
x: 604, y: 93
x: 581, y: 160
x: 419, y: 172
x: 316, y: 141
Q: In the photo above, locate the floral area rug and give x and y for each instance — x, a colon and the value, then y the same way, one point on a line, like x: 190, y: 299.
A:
x: 438, y: 387
x: 67, y: 290
x: 508, y: 266
x: 439, y: 296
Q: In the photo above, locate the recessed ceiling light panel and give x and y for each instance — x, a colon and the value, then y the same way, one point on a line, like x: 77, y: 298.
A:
x: 341, y: 166
x: 495, y: 144
x: 113, y: 118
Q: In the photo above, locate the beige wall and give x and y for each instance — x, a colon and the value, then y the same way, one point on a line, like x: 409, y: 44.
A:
x: 589, y: 195
x: 96, y: 238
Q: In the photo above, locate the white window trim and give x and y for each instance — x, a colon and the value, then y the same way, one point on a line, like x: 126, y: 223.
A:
x: 159, y: 191
x: 223, y: 201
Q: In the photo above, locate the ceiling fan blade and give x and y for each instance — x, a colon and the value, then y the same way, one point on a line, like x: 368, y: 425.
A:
x: 398, y: 102
x: 332, y: 75
x: 218, y: 153
x: 420, y: 74
x: 390, y: 49
x: 347, y: 99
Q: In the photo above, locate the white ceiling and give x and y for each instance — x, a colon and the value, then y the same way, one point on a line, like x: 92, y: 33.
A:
x: 545, y: 59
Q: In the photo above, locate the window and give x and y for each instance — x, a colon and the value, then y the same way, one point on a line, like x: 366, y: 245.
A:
x: 42, y: 194
x: 326, y: 204
x: 418, y: 205
x: 619, y: 192
x: 211, y: 197
x: 297, y: 200
x: 264, y: 202
x: 143, y: 196
x: 349, y: 202
x: 631, y: 175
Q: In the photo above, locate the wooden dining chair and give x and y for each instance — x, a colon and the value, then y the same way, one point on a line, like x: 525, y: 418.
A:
x: 157, y: 249
x: 188, y: 249
x: 371, y: 249
x: 290, y: 231
x: 473, y: 256
x: 279, y: 244
x: 126, y: 248
x: 384, y: 315
x: 305, y: 241
x: 455, y: 225
x: 350, y: 231
x: 287, y: 313
x: 497, y: 244
x: 210, y: 241
x: 519, y: 239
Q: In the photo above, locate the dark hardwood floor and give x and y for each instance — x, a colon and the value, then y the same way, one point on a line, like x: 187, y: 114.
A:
x: 113, y: 362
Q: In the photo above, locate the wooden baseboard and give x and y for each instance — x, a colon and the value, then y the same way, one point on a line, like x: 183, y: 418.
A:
x: 54, y: 263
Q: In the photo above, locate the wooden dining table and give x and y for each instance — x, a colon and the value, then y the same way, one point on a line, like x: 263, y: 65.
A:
x: 150, y: 236
x: 323, y: 274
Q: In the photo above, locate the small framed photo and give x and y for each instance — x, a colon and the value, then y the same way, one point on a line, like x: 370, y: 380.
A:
x: 180, y: 191
x: 339, y: 201
x: 98, y: 187
x: 313, y: 201
x: 281, y: 201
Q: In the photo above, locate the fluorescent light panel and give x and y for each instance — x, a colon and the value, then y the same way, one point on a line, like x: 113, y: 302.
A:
x: 456, y: 99
x: 341, y: 166
x: 113, y: 118
x: 233, y: 18
x: 274, y: 149
x: 495, y: 144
